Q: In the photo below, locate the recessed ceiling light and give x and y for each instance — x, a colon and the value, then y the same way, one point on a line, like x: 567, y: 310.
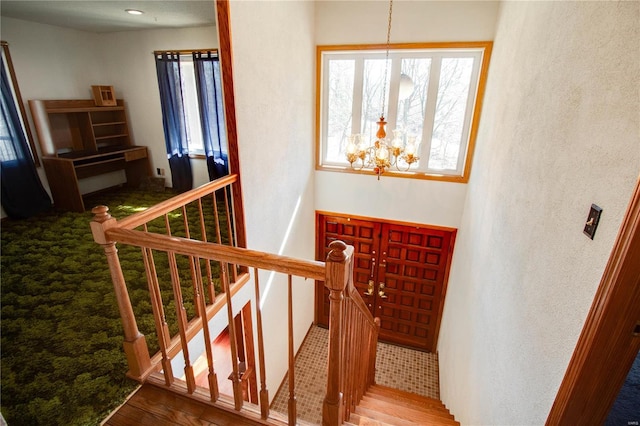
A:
x: 134, y: 11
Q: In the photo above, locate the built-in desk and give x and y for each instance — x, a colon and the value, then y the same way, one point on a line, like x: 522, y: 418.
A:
x: 80, y: 139
x: 63, y: 172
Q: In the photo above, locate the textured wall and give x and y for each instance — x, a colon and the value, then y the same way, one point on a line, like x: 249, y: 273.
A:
x: 273, y: 54
x: 361, y: 22
x: 560, y: 130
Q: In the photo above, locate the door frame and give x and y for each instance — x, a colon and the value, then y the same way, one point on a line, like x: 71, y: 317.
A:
x: 606, y: 348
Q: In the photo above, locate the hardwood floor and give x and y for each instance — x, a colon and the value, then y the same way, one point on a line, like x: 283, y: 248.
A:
x: 153, y: 406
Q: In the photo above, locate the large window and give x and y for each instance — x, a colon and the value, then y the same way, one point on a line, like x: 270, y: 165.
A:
x: 441, y: 109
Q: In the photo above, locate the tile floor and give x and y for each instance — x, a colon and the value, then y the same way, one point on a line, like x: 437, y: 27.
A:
x: 396, y: 367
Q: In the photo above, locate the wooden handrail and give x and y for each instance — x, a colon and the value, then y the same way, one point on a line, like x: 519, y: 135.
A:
x: 140, y: 218
x: 234, y: 255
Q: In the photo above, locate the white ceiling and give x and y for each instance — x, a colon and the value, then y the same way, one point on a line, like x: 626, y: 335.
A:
x: 100, y: 16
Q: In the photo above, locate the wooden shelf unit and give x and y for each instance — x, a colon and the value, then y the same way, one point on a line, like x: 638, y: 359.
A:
x: 78, y: 140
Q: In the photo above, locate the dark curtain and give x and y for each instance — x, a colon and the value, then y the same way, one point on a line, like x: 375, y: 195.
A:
x: 173, y: 120
x: 209, y: 88
x: 21, y: 190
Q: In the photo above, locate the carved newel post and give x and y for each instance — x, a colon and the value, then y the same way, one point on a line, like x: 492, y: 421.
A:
x: 135, y: 345
x: 337, y: 267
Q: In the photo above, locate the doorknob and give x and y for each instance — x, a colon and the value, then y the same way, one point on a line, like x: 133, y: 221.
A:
x: 381, y: 291
x: 369, y: 291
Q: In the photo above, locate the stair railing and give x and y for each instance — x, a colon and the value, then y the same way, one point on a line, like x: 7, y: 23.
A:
x: 353, y: 339
x: 181, y: 265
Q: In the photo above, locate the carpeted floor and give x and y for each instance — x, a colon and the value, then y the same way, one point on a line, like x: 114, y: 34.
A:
x: 396, y: 367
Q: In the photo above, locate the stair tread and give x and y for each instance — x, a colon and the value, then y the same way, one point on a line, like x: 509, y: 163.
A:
x: 360, y: 420
x: 386, y: 418
x: 397, y: 393
x: 404, y: 412
x: 424, y: 405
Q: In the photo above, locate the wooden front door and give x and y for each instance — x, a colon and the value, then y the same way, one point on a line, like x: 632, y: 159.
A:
x: 400, y: 270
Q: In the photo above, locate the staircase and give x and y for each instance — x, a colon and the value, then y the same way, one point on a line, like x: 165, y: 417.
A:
x: 382, y: 406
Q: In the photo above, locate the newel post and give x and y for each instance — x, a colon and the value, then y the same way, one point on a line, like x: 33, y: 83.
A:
x: 337, y: 275
x: 135, y: 345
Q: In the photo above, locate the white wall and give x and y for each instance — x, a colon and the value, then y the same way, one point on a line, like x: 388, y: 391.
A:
x: 273, y: 51
x: 130, y: 68
x: 361, y: 22
x: 560, y: 130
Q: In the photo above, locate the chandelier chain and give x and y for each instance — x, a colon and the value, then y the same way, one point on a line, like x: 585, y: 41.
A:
x: 386, y: 59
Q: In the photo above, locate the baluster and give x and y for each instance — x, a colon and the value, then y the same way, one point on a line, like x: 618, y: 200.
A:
x: 293, y: 415
x: 162, y: 328
x: 230, y: 230
x: 192, y: 266
x: 212, y: 377
x: 181, y: 315
x: 374, y: 348
x: 203, y: 229
x: 235, y: 376
x: 135, y: 345
x: 264, y: 393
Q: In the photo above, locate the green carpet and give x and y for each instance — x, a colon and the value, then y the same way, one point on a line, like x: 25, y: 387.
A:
x: 62, y: 361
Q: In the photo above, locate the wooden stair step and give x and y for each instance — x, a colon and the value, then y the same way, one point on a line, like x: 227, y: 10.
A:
x: 385, y: 418
x: 399, y: 394
x: 359, y: 420
x: 423, y: 405
x: 411, y: 414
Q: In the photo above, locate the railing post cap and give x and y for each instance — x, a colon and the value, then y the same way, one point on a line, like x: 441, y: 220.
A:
x: 101, y: 214
x: 337, y: 251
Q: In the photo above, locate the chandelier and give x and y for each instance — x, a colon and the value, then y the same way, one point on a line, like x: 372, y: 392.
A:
x: 382, y: 153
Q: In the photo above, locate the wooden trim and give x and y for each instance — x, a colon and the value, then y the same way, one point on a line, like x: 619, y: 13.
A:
x: 185, y: 51
x: 23, y: 112
x: 140, y: 218
x: 225, y: 54
x: 487, y: 47
x: 606, y: 348
x: 376, y: 219
x: 398, y: 46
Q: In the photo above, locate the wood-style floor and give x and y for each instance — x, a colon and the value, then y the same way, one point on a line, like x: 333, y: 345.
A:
x: 153, y: 406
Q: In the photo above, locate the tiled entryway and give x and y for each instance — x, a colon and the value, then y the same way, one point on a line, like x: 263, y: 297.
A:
x: 396, y: 367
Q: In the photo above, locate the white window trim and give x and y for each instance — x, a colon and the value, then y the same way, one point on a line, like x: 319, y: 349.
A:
x: 480, y: 51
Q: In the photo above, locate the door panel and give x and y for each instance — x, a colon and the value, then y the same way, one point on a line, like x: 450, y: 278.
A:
x: 409, y: 267
x: 364, y: 236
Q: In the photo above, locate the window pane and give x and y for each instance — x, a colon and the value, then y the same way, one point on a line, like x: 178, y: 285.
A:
x: 411, y: 109
x: 339, y: 111
x: 451, y: 105
x: 191, y: 108
x: 372, y: 85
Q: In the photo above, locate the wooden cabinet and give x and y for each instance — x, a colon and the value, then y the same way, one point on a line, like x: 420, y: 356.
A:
x: 78, y: 140
x: 401, y: 271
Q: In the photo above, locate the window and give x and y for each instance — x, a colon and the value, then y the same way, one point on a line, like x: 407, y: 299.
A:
x: 441, y: 111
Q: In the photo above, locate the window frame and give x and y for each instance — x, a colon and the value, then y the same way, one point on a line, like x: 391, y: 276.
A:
x: 447, y: 49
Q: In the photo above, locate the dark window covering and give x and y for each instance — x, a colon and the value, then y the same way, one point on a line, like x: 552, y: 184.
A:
x: 209, y: 87
x: 21, y: 190
x: 173, y: 120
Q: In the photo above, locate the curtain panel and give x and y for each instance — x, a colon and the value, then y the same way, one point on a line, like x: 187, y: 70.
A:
x: 21, y: 189
x: 209, y: 90
x: 173, y: 120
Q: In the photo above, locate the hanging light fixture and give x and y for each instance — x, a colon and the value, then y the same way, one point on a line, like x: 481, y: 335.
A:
x: 384, y: 153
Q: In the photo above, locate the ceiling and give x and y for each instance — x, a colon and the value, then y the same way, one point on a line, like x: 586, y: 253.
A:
x: 100, y: 16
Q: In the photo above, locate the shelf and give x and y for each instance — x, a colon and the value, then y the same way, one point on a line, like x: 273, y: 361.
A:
x: 122, y: 135
x: 110, y: 123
